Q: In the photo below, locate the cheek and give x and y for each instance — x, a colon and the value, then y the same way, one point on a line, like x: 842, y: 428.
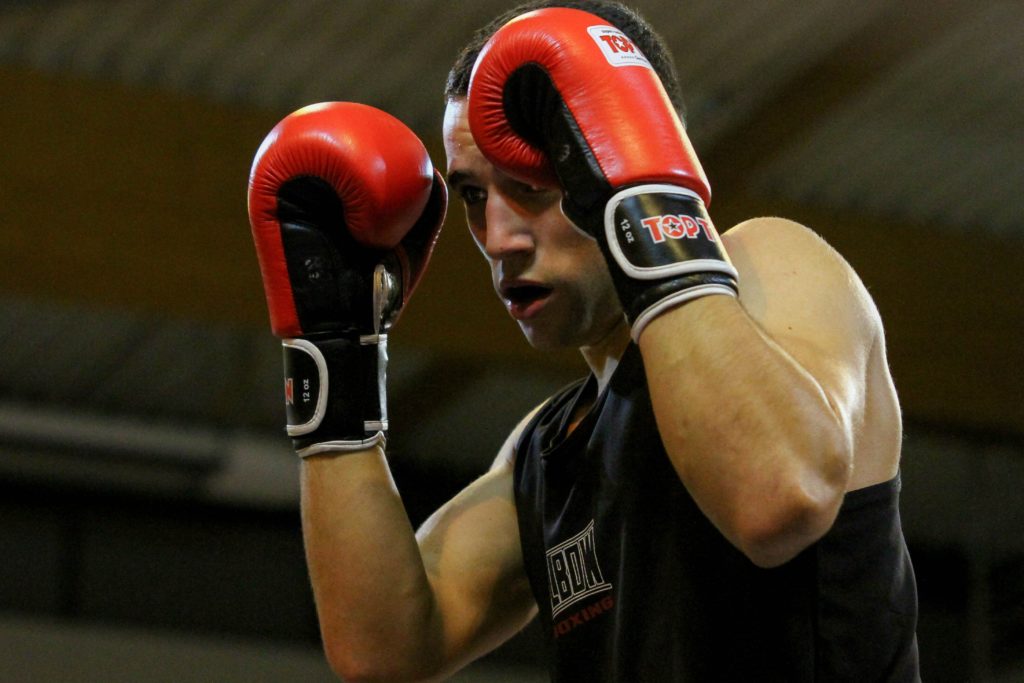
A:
x: 478, y: 239
x: 590, y: 261
x: 474, y: 221
x: 597, y: 281
x: 585, y: 268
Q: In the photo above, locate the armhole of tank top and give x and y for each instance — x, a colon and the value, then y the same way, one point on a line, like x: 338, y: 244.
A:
x: 530, y: 421
x: 528, y: 424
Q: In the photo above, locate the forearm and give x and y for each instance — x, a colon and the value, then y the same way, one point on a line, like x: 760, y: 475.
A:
x: 376, y: 608
x: 750, y: 432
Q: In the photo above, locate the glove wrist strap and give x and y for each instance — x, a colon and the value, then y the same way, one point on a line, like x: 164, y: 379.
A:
x: 663, y: 250
x: 335, y: 393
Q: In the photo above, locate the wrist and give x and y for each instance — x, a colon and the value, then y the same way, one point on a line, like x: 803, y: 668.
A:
x: 676, y: 327
x: 335, y: 393
x: 663, y: 251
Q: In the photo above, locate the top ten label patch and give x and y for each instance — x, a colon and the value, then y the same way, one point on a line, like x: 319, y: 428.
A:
x: 617, y: 48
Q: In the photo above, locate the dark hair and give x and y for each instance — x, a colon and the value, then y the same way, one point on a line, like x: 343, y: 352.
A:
x: 625, y: 19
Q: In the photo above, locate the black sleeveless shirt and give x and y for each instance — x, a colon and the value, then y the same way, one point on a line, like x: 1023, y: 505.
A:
x: 635, y: 584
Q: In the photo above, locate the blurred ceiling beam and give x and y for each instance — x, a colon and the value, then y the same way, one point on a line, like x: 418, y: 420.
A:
x: 110, y: 201
x: 837, y: 78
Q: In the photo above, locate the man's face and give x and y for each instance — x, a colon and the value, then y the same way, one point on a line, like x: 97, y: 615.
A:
x: 551, y: 277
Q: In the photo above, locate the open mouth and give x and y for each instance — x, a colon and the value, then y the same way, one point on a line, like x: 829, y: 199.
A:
x: 523, y: 295
x: 525, y: 299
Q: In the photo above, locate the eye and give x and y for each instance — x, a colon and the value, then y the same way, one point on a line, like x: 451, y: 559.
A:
x: 531, y: 189
x: 471, y: 194
x: 536, y: 197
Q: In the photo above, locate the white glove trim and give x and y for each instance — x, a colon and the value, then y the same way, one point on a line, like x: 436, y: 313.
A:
x: 673, y: 300
x: 342, y: 447
x: 311, y: 350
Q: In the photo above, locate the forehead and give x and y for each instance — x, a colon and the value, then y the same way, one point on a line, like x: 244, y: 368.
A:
x: 458, y: 140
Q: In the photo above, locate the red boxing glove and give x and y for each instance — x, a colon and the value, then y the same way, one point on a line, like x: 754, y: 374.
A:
x: 561, y: 97
x: 345, y: 207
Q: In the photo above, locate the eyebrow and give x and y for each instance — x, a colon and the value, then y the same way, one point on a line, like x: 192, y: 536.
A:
x: 455, y: 178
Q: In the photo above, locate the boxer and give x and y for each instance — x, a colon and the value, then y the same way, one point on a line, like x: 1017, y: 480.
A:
x: 716, y: 500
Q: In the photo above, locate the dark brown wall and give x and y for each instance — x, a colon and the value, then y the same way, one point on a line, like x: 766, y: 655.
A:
x: 122, y: 198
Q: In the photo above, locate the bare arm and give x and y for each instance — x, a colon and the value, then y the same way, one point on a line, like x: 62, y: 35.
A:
x: 397, y: 606
x: 760, y: 401
x: 474, y: 563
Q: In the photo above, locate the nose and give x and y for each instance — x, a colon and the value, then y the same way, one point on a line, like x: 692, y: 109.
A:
x: 508, y: 231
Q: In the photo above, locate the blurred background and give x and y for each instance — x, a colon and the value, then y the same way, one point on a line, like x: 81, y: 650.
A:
x: 149, y: 522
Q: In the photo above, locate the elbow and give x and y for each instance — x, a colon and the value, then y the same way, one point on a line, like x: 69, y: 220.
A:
x: 404, y: 647
x: 349, y: 667
x: 794, y: 517
x: 378, y: 666
x: 352, y: 672
x: 773, y: 539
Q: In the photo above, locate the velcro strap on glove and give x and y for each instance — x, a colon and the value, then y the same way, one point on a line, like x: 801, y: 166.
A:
x: 335, y: 397
x: 667, y: 251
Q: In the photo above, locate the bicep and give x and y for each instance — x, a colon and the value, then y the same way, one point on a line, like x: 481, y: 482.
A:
x: 471, y: 553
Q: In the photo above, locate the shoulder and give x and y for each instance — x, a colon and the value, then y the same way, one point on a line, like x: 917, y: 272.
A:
x: 507, y: 454
x: 771, y: 237
x: 806, y: 297
x: 550, y: 406
x: 774, y: 250
x: 790, y: 275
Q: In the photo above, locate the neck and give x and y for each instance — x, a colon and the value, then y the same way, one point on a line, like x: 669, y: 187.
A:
x: 603, y: 356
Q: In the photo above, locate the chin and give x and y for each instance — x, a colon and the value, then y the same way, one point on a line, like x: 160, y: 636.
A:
x: 544, y: 340
x: 542, y: 343
x: 547, y: 339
